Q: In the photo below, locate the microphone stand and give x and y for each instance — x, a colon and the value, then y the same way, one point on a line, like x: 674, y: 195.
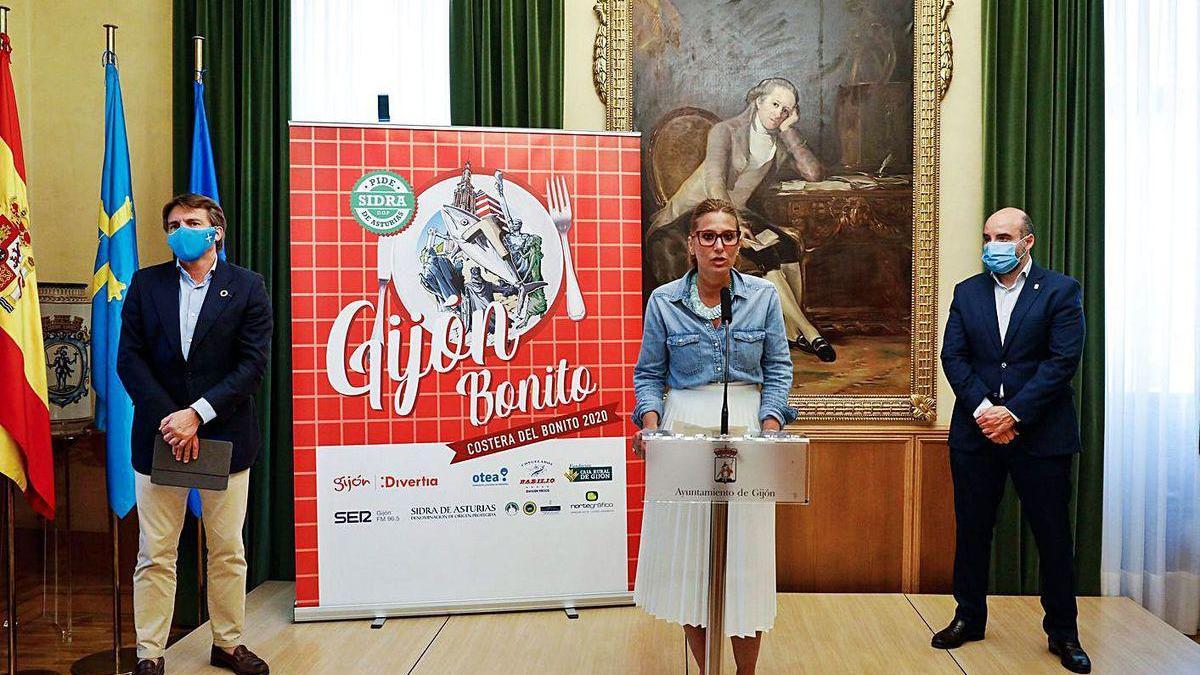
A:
x: 726, y: 319
x: 725, y: 395
x: 718, y: 531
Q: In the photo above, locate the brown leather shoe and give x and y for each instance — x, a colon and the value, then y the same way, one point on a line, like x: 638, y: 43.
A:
x: 151, y: 667
x: 242, y: 661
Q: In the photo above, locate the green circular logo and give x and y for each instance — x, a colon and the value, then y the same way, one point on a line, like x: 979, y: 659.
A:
x: 383, y: 202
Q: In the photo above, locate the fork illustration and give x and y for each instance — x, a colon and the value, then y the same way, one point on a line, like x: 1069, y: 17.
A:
x: 559, y: 203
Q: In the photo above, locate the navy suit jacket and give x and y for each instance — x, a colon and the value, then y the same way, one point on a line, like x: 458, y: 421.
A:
x: 225, y: 365
x: 1036, y: 362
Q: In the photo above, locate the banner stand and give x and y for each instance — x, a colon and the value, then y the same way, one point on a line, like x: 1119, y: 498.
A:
x: 302, y: 614
x: 466, y: 317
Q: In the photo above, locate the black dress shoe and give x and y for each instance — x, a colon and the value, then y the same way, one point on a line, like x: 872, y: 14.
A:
x: 819, y: 347
x: 954, y: 635
x: 1071, y: 655
x: 242, y: 661
x: 824, y: 350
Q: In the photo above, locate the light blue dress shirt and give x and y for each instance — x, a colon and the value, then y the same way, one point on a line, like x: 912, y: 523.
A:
x: 191, y: 300
x: 681, y: 350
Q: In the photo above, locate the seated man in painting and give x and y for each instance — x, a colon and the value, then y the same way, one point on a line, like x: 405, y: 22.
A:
x: 742, y: 153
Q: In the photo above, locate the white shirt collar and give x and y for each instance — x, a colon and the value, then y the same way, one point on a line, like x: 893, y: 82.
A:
x: 1020, y: 277
x: 761, y: 145
x: 757, y: 127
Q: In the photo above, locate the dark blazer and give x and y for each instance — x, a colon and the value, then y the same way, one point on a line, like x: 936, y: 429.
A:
x: 1040, y: 355
x: 225, y: 364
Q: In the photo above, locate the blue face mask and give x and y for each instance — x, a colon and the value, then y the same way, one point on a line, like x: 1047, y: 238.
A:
x: 190, y: 243
x: 1001, y: 257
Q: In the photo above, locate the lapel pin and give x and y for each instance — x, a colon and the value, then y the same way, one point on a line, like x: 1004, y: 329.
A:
x: 1035, y: 287
x: 225, y: 293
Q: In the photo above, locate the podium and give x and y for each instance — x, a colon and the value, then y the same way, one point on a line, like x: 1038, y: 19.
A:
x: 717, y: 470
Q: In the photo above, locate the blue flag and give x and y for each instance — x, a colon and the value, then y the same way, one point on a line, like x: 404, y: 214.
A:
x: 203, y: 180
x: 116, y: 261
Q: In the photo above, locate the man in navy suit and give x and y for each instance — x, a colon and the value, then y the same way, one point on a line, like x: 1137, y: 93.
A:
x: 1013, y: 342
x: 195, y: 337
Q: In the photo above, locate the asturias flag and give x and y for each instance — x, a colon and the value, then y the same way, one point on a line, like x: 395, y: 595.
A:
x: 25, y: 451
x: 116, y: 261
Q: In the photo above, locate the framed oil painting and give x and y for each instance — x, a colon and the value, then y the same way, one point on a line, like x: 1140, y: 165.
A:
x: 818, y: 120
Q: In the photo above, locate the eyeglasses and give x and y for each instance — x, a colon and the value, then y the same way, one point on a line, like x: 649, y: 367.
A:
x: 709, y: 238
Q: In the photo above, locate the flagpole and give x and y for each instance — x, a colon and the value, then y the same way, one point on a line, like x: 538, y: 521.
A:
x: 116, y: 660
x: 11, y: 572
x: 110, y: 44
x: 110, y: 57
x: 10, y: 564
x: 198, y: 46
x: 9, y: 535
x: 33, y: 442
x: 201, y: 567
x: 10, y: 590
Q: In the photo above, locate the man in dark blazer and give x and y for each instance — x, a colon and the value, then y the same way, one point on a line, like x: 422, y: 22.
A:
x: 195, y: 337
x: 1013, y: 342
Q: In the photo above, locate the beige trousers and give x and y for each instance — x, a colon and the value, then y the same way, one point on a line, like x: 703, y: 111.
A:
x: 161, y: 510
x: 789, y: 283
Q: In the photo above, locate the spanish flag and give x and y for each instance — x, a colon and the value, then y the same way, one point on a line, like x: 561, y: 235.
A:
x: 25, y: 452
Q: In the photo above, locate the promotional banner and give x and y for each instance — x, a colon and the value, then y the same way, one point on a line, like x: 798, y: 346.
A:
x: 466, y: 317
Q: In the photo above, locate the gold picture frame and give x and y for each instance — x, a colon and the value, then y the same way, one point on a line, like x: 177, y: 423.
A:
x: 932, y: 69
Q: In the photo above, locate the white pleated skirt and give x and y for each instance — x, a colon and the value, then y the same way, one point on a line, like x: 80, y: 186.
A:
x: 672, y: 571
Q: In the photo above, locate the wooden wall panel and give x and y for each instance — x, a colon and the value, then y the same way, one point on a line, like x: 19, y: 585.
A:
x: 881, y: 517
x: 850, y: 538
x: 935, y: 517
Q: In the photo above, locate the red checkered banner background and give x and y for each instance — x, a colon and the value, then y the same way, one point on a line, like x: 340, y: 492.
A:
x: 461, y: 423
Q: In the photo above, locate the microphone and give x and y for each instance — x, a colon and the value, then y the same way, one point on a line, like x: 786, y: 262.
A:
x: 726, y: 319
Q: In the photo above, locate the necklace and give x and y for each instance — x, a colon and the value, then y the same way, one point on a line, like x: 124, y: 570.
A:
x: 697, y: 305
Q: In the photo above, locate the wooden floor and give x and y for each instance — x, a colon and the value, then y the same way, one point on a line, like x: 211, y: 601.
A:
x: 44, y: 642
x: 814, y: 633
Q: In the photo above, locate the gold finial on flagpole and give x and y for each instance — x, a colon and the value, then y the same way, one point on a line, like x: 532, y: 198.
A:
x: 110, y: 43
x: 198, y: 42
x: 4, y: 19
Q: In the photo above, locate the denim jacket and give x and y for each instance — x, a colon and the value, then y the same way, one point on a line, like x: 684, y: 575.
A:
x: 680, y: 350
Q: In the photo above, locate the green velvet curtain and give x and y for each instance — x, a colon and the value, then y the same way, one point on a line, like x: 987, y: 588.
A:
x: 248, y: 66
x: 506, y: 63
x: 1044, y: 152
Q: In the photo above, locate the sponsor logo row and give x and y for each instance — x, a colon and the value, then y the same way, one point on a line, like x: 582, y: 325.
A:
x: 592, y: 503
x: 538, y: 478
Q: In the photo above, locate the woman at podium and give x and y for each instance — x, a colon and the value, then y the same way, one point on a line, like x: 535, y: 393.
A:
x: 683, y: 356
